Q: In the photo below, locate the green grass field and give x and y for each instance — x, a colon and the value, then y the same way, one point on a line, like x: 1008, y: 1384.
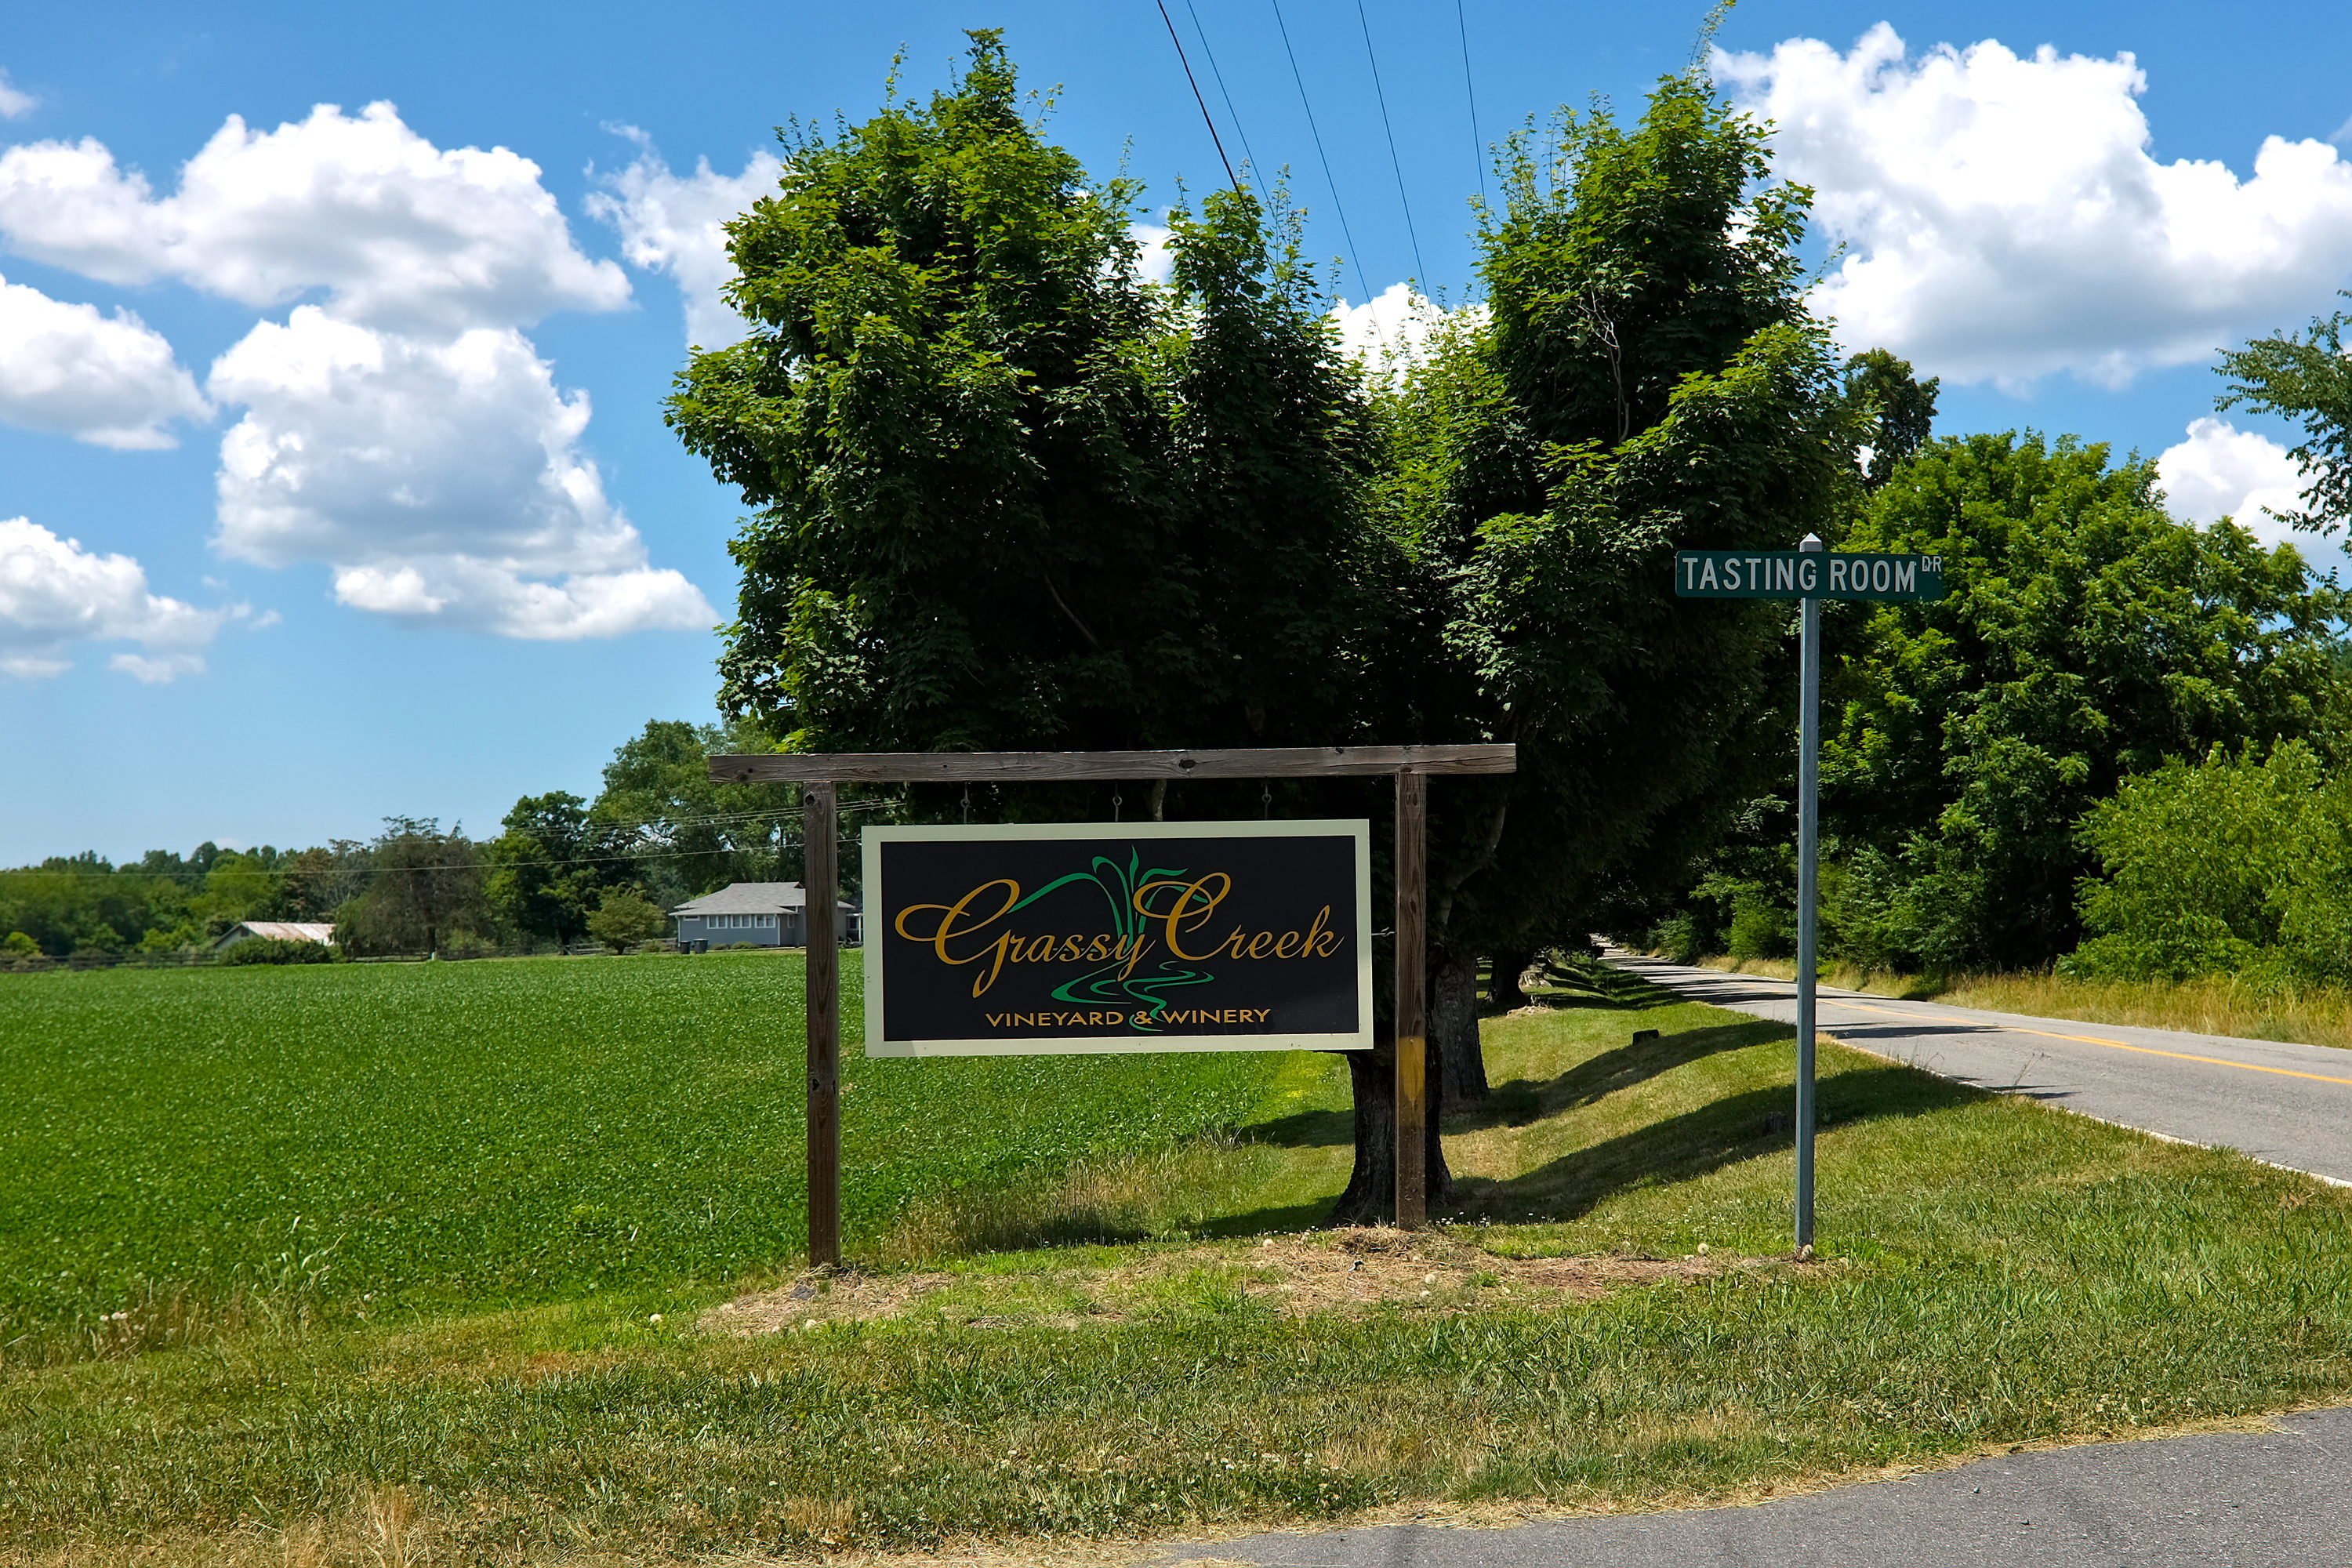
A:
x: 450, y: 1136
x: 1994, y: 1273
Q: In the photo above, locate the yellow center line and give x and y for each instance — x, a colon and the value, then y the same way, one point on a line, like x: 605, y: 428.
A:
x: 2113, y: 1044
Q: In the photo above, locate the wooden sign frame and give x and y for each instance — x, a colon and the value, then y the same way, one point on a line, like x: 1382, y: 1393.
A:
x: 818, y: 774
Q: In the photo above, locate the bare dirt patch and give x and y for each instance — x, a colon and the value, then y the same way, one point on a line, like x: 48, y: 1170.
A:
x: 1345, y: 1271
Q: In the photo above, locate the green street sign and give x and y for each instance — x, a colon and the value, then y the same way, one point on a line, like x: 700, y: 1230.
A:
x: 1805, y: 575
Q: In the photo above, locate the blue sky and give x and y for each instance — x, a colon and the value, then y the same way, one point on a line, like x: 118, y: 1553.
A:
x: 332, y: 477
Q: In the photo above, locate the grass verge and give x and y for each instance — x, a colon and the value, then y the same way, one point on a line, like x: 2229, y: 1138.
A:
x: 2202, y: 1005
x: 1994, y: 1274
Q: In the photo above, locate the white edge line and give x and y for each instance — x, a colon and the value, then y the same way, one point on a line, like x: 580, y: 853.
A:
x: 2070, y: 1110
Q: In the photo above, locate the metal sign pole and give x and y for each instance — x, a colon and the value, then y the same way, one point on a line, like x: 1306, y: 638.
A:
x: 1809, y: 847
x: 1808, y: 574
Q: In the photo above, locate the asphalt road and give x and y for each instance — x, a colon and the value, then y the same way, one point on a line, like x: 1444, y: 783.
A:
x: 2289, y: 1105
x: 2279, y: 1499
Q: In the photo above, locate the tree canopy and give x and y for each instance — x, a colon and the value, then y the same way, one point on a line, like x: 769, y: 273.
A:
x: 2307, y: 377
x: 2237, y: 862
x: 1009, y: 495
x: 2086, y: 639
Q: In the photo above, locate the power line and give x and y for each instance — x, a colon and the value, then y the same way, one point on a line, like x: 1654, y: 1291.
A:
x: 1380, y: 95
x: 1205, y: 118
x: 1248, y: 154
x: 1477, y: 142
x: 1337, y: 205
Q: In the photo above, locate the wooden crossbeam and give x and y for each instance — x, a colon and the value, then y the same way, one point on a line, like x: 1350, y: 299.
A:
x: 1009, y: 767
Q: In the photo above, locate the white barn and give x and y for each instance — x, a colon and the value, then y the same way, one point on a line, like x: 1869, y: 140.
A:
x: 767, y: 914
x: 321, y: 931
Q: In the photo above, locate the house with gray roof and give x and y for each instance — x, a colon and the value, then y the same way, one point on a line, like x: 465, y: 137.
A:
x: 321, y: 931
x: 767, y: 914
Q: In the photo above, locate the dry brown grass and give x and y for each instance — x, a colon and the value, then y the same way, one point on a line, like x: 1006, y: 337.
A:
x: 354, y: 1539
x: 2205, y: 1004
x: 1349, y: 1272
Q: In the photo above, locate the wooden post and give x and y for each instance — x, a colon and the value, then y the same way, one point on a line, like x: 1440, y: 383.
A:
x: 823, y: 887
x: 1412, y: 1029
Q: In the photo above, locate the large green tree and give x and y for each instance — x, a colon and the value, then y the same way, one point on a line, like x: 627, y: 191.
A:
x: 426, y: 890
x: 544, y: 870
x: 1645, y: 378
x: 2086, y: 636
x: 661, y: 823
x: 2307, y: 377
x: 1009, y: 495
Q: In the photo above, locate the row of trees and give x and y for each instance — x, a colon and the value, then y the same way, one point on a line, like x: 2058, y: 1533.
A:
x: 1007, y: 494
x: 561, y: 868
x: 1995, y: 766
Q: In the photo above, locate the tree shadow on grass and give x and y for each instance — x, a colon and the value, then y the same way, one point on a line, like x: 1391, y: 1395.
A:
x: 1522, y: 1100
x: 1304, y: 1130
x: 1589, y: 984
x: 1279, y: 1220
x: 1738, y: 1128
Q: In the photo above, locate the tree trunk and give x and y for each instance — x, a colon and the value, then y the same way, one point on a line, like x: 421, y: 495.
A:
x: 1370, y: 1197
x: 1453, y: 1026
x: 1511, y: 968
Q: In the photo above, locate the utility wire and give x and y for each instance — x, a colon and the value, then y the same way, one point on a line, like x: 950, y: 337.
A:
x: 1337, y: 205
x: 1249, y: 154
x: 1380, y: 95
x: 1205, y: 118
x: 1477, y: 142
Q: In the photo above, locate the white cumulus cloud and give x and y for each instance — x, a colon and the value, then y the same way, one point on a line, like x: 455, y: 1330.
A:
x: 397, y: 232
x: 2004, y: 219
x: 396, y: 427
x: 2219, y: 470
x: 1155, y: 261
x: 677, y: 223
x: 441, y: 481
x: 54, y: 594
x: 1393, y: 328
x: 111, y: 381
x: 13, y: 103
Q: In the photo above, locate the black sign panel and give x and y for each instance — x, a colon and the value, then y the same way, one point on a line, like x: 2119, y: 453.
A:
x: 1068, y: 937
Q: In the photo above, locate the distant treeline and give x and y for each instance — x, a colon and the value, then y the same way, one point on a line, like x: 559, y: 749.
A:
x: 659, y: 829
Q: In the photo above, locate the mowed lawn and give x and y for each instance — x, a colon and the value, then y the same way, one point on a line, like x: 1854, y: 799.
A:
x: 397, y: 1137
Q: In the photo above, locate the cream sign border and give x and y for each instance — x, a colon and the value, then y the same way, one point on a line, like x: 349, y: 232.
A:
x: 1357, y: 830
